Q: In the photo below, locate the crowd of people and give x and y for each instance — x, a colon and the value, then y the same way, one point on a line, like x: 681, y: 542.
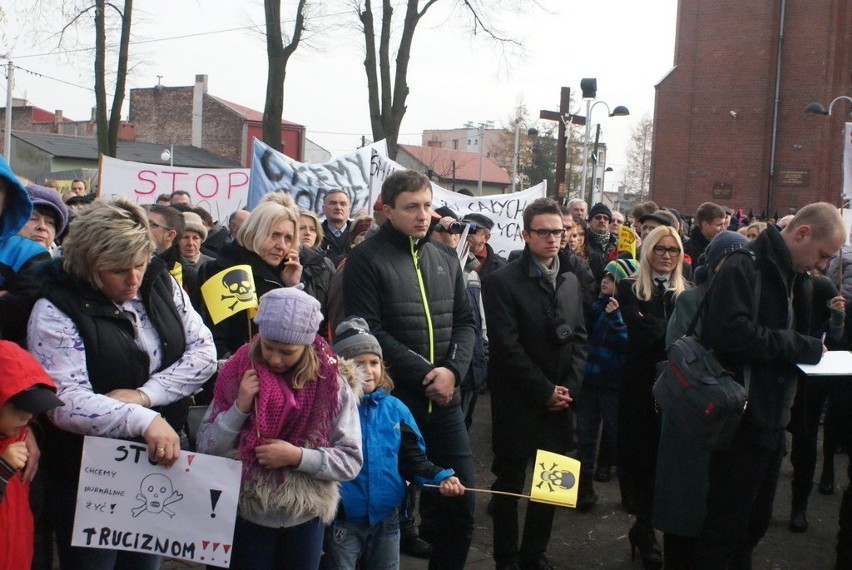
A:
x: 356, y: 382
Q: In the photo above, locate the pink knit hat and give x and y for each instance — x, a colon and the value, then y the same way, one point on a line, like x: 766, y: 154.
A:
x: 288, y: 315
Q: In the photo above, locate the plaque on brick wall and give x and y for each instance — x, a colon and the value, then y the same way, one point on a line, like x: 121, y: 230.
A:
x: 794, y: 177
x: 722, y: 189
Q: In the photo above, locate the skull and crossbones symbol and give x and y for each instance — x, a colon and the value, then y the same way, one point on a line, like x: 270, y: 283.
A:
x: 551, y: 478
x: 156, y: 493
x: 238, y: 282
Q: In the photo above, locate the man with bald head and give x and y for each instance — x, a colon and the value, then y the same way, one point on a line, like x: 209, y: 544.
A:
x: 765, y: 350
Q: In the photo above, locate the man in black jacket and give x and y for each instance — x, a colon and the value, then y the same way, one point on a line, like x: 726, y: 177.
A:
x: 335, y: 241
x: 709, y: 221
x: 537, y: 336
x: 412, y: 295
x: 744, y: 477
x: 600, y: 243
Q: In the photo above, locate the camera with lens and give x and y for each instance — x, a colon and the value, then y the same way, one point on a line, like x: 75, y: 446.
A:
x: 455, y: 228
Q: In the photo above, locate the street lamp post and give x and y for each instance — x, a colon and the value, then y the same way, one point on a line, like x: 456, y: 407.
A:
x: 619, y: 111
x: 817, y: 109
x: 589, y: 87
x: 168, y: 154
x: 516, y: 153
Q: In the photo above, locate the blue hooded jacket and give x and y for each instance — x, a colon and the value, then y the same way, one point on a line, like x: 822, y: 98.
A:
x: 393, y: 453
x: 15, y: 210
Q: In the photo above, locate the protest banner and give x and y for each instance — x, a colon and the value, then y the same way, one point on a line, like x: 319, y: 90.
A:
x: 556, y: 479
x: 505, y: 210
x: 361, y: 173
x: 272, y: 171
x: 125, y: 502
x: 221, y: 191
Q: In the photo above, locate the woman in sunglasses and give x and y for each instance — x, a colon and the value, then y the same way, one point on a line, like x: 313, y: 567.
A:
x: 647, y: 300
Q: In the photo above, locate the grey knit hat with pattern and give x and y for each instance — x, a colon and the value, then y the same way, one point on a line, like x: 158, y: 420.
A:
x: 352, y: 337
x: 288, y: 315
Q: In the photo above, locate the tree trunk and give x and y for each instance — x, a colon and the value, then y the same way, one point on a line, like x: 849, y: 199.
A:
x: 107, y: 125
x: 277, y: 56
x: 102, y: 123
x: 120, y: 77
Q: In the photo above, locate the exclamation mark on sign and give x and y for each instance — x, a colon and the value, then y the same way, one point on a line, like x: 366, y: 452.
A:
x: 214, y: 499
x: 189, y: 459
x: 112, y: 509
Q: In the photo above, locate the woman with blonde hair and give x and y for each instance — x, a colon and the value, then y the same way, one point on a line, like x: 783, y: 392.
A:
x: 754, y: 229
x: 310, y: 230
x: 647, y: 301
x: 268, y: 243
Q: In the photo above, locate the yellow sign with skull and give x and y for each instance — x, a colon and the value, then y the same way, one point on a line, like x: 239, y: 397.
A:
x: 229, y: 292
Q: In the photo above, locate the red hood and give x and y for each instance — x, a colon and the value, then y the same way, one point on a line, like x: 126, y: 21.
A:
x: 19, y: 371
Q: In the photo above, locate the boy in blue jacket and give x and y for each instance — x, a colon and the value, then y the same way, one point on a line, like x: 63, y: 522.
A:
x: 602, y: 379
x: 367, y: 523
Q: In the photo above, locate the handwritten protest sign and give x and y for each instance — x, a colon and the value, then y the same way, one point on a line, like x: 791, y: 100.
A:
x: 272, y: 171
x: 221, y: 191
x: 186, y: 511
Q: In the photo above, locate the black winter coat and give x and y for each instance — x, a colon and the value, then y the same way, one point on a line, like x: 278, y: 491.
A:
x: 232, y: 333
x: 526, y: 361
x: 493, y: 262
x: 772, y: 345
x: 381, y: 284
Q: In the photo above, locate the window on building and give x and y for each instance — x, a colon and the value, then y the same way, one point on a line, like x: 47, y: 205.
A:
x: 455, y: 144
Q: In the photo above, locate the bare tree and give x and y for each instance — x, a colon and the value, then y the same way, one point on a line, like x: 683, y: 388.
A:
x: 278, y: 55
x: 108, y: 128
x: 388, y: 88
x: 638, y: 172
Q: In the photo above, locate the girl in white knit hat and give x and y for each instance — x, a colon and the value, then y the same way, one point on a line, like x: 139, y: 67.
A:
x: 283, y: 408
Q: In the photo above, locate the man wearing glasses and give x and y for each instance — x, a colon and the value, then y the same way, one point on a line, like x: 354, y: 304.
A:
x: 166, y: 226
x: 600, y: 243
x: 537, y: 340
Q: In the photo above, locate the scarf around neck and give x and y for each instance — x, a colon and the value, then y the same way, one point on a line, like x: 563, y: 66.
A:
x: 302, y: 417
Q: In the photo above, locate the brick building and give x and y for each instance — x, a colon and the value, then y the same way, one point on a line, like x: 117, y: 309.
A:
x: 729, y: 121
x: 32, y: 119
x: 191, y: 116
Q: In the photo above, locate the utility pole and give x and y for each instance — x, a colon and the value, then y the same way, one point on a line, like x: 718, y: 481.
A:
x: 565, y: 119
x: 7, y: 128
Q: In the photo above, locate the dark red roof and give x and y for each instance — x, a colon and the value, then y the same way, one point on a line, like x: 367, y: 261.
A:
x: 40, y: 115
x: 250, y: 114
x: 440, y: 161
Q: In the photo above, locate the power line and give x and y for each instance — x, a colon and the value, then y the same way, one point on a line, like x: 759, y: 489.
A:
x: 166, y: 39
x: 37, y: 74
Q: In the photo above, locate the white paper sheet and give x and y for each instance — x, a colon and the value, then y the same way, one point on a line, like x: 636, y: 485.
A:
x: 833, y: 363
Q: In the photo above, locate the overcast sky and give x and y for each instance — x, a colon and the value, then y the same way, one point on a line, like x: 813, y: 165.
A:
x: 454, y: 77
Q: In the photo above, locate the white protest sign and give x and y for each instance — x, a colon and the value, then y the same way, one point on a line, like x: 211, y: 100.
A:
x: 221, y: 191
x: 505, y: 210
x: 272, y: 171
x: 186, y: 511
